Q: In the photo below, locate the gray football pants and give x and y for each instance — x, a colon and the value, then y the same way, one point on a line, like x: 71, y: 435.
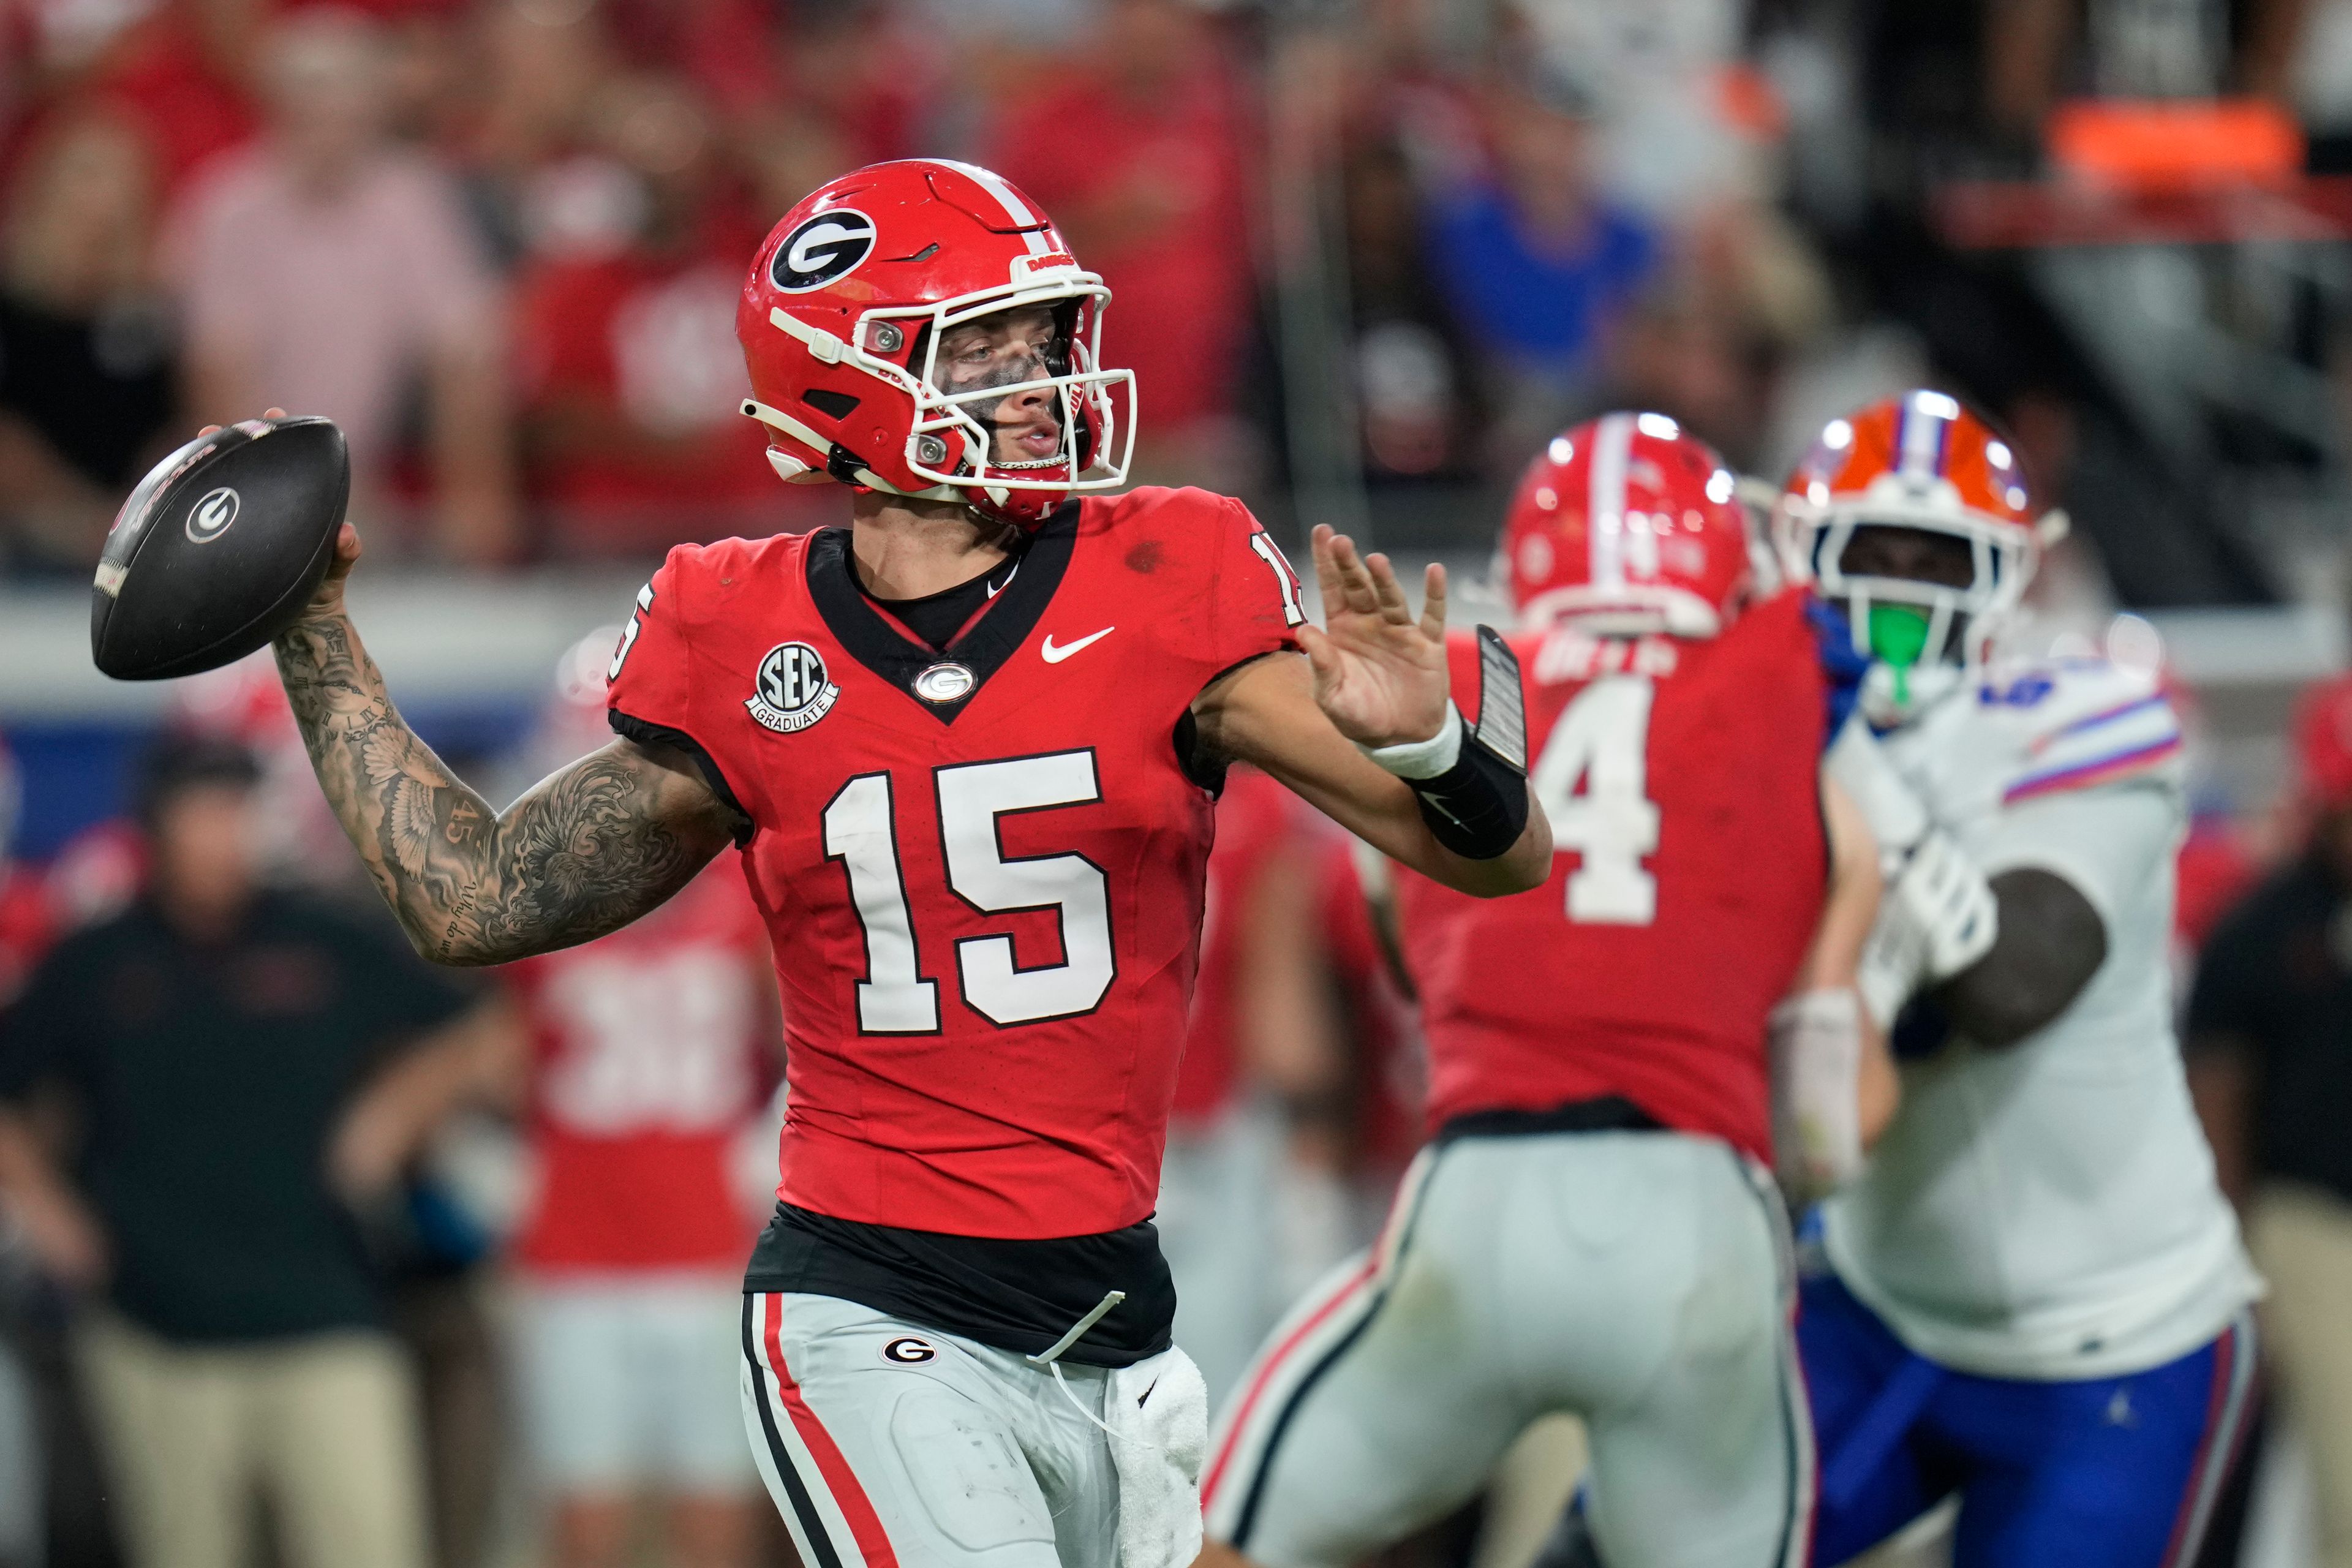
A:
x: 1640, y: 1281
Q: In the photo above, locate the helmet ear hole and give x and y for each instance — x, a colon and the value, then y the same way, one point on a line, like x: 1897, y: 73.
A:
x: 831, y: 404
x: 1065, y: 331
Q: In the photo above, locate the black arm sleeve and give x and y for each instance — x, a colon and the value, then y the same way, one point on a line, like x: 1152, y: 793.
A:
x: 1478, y: 807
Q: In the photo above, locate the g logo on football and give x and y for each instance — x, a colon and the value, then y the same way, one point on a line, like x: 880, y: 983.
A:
x: 908, y: 1351
x: 827, y: 246
x: 210, y: 518
x: 791, y: 690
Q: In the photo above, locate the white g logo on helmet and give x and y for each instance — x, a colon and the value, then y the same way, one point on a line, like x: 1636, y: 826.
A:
x: 828, y: 247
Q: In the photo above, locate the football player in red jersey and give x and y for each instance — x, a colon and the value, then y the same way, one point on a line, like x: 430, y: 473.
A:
x: 1592, y: 1227
x: 1252, y: 1207
x: 643, y: 1075
x: 968, y: 747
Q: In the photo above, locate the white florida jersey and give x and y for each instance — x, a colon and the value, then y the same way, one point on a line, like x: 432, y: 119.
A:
x: 2049, y: 1210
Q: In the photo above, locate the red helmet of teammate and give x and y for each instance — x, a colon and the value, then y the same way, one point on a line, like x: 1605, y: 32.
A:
x: 841, y: 323
x: 1628, y: 525
x: 1924, y: 461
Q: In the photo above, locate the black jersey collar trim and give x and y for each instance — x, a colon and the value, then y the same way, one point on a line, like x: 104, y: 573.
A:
x: 982, y: 647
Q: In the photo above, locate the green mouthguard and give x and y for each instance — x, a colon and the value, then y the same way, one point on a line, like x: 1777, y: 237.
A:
x: 1898, y: 635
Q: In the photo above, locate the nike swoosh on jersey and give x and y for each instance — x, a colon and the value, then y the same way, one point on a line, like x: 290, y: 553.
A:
x: 1057, y: 654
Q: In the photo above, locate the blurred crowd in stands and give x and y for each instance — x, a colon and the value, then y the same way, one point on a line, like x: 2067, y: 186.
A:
x: 1399, y: 241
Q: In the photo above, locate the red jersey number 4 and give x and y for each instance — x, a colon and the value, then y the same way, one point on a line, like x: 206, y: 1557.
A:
x: 1593, y: 782
x: 861, y: 833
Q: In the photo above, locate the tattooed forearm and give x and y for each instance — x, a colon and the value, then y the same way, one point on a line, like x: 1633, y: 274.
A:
x: 586, y: 851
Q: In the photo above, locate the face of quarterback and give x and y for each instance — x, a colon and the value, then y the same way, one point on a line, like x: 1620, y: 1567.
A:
x: 1003, y: 350
x: 1915, y: 554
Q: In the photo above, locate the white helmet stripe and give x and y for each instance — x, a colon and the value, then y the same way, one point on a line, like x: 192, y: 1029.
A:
x: 1014, y: 207
x: 1604, y: 505
x: 1923, y: 420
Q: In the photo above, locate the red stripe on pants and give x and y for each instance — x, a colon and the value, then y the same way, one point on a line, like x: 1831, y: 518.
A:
x: 1272, y: 1363
x: 2209, y: 1450
x: 865, y: 1524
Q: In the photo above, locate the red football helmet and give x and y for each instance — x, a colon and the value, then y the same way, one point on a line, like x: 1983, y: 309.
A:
x: 1627, y: 525
x: 841, y: 323
x: 1924, y: 461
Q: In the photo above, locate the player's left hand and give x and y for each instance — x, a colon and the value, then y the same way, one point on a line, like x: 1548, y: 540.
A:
x: 1379, y: 674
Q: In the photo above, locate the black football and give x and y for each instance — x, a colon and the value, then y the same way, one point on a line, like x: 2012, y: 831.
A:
x: 220, y: 548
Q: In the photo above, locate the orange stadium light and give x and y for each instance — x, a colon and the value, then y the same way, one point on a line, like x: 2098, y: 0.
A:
x: 2175, y: 145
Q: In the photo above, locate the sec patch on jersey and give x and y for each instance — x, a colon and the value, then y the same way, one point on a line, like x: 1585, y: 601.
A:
x: 220, y: 548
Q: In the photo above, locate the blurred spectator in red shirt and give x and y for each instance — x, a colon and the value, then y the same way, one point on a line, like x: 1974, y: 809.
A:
x: 863, y: 72
x: 539, y: 73
x: 724, y: 47
x: 86, y: 369
x: 177, y: 70
x: 630, y: 374
x: 861, y: 85
x: 1136, y: 150
x: 326, y: 270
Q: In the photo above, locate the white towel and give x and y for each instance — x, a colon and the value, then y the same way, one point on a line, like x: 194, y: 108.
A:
x: 1157, y: 1413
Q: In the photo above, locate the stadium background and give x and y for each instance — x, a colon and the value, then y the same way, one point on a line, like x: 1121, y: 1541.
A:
x: 1365, y: 257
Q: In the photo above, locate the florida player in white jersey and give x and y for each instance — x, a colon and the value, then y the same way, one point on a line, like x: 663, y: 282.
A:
x: 1592, y: 1227
x: 967, y: 746
x: 2036, y: 1296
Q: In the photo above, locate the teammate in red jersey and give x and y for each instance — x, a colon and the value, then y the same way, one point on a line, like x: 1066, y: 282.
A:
x: 643, y: 1075
x: 1592, y: 1227
x: 1262, y: 1039
x: 967, y: 746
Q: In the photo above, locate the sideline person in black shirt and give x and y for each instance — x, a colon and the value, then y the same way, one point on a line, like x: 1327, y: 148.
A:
x: 2270, y: 1041
x: 242, y: 1066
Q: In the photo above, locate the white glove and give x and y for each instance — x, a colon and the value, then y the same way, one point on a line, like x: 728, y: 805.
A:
x: 1937, y: 918
x: 1817, y: 1044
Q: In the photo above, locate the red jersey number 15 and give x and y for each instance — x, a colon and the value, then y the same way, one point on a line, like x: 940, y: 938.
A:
x: 861, y: 832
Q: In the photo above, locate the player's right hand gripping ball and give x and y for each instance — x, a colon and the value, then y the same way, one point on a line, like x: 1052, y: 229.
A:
x: 220, y: 548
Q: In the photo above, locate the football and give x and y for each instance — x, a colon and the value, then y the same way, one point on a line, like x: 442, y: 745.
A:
x: 218, y: 548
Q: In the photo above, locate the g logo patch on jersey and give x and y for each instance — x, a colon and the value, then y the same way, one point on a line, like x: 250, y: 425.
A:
x: 210, y: 518
x: 908, y: 1351
x: 827, y: 246
x: 946, y: 681
x: 791, y: 690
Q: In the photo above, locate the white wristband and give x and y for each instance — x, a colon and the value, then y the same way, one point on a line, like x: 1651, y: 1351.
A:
x: 1817, y: 1049
x: 1421, y: 759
